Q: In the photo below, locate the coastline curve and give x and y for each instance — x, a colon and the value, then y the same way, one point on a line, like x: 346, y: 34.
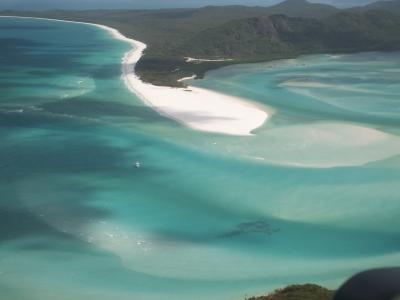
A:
x: 196, y: 108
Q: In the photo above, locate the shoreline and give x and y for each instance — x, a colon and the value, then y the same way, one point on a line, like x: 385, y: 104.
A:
x: 197, y: 108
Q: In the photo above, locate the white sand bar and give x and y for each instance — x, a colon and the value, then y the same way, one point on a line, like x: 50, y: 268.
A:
x: 194, y: 107
x: 197, y: 108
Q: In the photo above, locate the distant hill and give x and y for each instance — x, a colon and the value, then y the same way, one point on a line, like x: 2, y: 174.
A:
x: 280, y: 34
x: 302, y: 8
x: 162, y: 29
x: 389, y: 5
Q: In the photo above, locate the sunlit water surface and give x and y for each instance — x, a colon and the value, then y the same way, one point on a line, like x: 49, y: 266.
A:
x: 311, y: 197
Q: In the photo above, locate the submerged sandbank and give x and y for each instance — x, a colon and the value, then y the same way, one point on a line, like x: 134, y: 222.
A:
x: 197, y: 108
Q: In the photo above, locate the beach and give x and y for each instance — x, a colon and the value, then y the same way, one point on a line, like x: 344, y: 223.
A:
x: 196, y: 108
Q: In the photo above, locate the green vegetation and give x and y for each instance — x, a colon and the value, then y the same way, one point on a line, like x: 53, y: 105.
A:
x: 279, y: 34
x: 299, y: 292
x: 242, y: 34
x: 267, y: 38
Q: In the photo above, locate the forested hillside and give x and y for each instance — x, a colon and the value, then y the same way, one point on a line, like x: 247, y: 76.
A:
x: 242, y: 34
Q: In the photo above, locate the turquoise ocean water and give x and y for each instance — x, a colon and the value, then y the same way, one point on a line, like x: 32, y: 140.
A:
x: 312, y: 197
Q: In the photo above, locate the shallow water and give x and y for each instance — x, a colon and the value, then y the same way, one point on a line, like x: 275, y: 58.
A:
x: 312, y: 197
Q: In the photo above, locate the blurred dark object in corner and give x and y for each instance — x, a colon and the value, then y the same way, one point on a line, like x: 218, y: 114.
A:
x: 379, y: 284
